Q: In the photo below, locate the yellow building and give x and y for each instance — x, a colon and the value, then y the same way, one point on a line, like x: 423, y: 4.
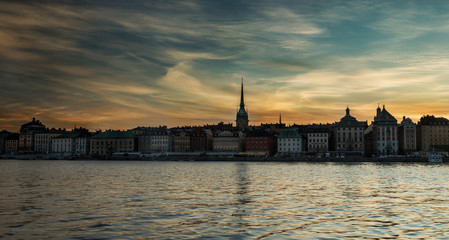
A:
x: 228, y: 141
x: 433, y: 134
x: 106, y: 143
x: 181, y: 142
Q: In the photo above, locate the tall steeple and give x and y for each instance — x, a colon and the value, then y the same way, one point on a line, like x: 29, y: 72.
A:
x: 280, y: 118
x: 242, y: 114
x: 242, y: 101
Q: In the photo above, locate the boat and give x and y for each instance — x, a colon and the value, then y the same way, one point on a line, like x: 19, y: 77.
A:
x: 435, y: 158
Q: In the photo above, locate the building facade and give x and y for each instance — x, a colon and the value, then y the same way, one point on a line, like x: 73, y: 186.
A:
x: 109, y: 142
x: 433, y: 134
x: 3, y: 135
x: 228, y: 141
x: 27, y: 131
x: 201, y: 140
x: 181, y: 141
x: 384, y: 133
x: 261, y: 142
x: 150, y: 139
x: 161, y: 141
x: 42, y: 139
x: 318, y: 141
x: 289, y: 142
x: 12, y: 143
x: 82, y: 144
x: 65, y: 143
x: 348, y: 134
x: 407, y: 136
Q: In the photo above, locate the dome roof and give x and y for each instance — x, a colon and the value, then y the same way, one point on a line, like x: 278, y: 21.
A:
x: 349, y: 121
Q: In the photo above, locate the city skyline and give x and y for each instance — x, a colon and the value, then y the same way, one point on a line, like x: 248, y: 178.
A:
x: 120, y: 65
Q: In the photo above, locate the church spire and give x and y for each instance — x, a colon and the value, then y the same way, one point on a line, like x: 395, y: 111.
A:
x: 242, y: 114
x: 242, y: 102
x: 280, y: 118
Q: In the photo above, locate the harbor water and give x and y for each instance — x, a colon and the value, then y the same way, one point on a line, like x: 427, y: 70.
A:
x: 222, y: 200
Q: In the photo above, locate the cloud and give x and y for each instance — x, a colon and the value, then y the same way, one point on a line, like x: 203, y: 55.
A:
x: 117, y: 65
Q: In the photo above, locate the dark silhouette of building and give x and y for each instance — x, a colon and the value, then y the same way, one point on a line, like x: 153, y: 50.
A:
x: 200, y: 140
x: 242, y: 115
x: 219, y: 127
x: 27, y: 131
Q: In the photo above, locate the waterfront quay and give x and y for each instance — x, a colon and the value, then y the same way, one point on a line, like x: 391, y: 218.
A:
x: 230, y: 158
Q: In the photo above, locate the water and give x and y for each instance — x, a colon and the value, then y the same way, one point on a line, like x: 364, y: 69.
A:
x: 213, y: 200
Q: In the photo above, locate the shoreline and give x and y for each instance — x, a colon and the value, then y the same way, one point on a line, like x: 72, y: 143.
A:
x: 233, y: 159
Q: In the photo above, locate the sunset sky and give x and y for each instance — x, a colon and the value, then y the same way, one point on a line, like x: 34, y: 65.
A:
x: 122, y: 64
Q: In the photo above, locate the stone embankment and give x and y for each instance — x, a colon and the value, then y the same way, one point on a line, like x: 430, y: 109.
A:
x: 236, y: 159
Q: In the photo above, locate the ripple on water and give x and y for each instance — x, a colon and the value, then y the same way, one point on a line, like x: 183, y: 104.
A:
x: 210, y: 200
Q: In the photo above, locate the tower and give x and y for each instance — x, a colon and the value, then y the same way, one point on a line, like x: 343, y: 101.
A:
x: 242, y: 116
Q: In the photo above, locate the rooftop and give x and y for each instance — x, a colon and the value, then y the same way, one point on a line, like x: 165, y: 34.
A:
x: 114, y: 135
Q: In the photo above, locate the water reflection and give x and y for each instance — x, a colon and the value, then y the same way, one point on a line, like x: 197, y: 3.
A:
x: 191, y: 200
x: 243, y: 183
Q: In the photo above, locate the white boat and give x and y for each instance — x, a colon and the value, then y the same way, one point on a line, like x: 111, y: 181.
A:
x: 435, y: 158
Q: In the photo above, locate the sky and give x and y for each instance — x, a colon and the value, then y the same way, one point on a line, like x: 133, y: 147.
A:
x: 121, y: 64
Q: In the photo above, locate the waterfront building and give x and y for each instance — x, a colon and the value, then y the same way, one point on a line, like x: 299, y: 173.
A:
x: 181, y: 141
x: 433, y: 134
x: 26, y: 139
x: 144, y: 143
x: 384, y: 134
x: 3, y: 135
x: 82, y: 143
x: 348, y: 135
x: 407, y: 136
x: 228, y: 141
x: 140, y: 130
x: 76, y: 142
x: 42, y: 139
x: 317, y: 138
x: 12, y: 143
x: 108, y: 142
x: 242, y: 114
x: 289, y: 142
x: 64, y: 143
x: 161, y: 141
x: 201, y: 140
x: 261, y: 142
x: 147, y: 135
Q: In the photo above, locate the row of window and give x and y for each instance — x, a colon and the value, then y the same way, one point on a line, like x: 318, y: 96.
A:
x: 350, y: 128
x: 289, y: 139
x: 321, y: 146
x: 110, y: 142
x: 351, y: 139
x: 289, y: 149
x: 96, y: 148
x: 383, y: 144
x: 317, y: 134
x: 343, y: 146
x: 317, y: 140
